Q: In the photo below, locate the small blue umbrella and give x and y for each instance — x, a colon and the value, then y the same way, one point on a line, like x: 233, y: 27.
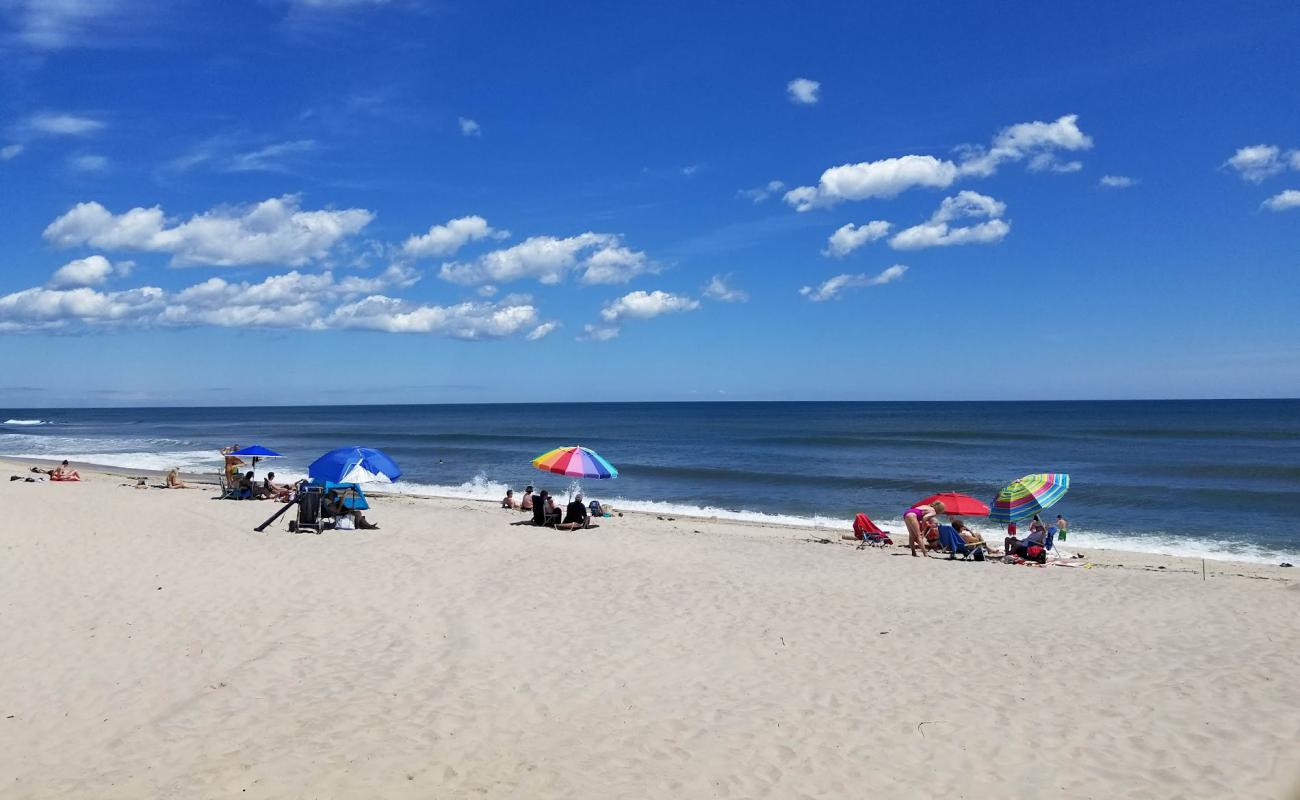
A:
x: 354, y: 465
x: 257, y: 451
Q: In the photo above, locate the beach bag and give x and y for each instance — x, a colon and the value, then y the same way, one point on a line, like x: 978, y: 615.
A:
x: 344, y: 523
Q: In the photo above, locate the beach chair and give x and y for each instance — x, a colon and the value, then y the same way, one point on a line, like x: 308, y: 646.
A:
x: 1049, y: 544
x: 869, y: 532
x: 229, y: 491
x: 950, y: 540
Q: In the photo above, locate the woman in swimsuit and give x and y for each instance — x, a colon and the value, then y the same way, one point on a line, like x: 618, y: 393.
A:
x: 917, y: 518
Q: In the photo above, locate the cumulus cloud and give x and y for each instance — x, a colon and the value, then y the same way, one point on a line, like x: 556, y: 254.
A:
x: 830, y: 289
x: 469, y: 320
x: 89, y: 271
x: 598, y: 333
x: 446, y: 239
x: 88, y: 163
x: 1117, y: 181
x: 719, y: 288
x: 760, y: 193
x: 469, y: 127
x: 1283, y: 201
x: 10, y: 151
x: 303, y: 301
x: 938, y: 231
x: 274, y: 231
x: 59, y: 124
x: 1260, y: 161
x: 398, y: 275
x: 1037, y: 142
x: 600, y: 257
x: 850, y: 237
x: 646, y: 305
x: 802, y: 91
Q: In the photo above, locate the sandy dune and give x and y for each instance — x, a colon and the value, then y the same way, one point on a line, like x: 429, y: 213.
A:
x: 156, y: 647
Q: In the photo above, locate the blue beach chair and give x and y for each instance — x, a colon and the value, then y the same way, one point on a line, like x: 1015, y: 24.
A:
x: 950, y: 540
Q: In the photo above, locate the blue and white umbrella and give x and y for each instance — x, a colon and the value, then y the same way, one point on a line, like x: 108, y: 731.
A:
x: 355, y: 465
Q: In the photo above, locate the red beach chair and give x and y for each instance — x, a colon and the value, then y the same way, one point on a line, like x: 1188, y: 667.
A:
x: 869, y: 532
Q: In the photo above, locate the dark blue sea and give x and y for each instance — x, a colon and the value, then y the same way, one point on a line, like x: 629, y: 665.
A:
x: 1213, y: 478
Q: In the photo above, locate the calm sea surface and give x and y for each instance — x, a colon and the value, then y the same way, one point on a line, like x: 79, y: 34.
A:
x: 1218, y: 478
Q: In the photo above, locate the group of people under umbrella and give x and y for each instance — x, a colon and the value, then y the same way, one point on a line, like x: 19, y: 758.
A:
x: 1021, y: 500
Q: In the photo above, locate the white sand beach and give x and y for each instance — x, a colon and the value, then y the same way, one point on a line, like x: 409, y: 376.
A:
x: 155, y: 646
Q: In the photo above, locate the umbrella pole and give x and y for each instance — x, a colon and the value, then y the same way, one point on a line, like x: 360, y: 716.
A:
x: 277, y: 515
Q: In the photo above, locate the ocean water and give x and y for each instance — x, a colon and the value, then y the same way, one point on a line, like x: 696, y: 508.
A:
x: 1219, y: 479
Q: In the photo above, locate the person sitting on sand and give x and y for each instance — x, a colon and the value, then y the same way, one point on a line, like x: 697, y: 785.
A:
x: 550, y: 513
x: 575, y: 515
x: 918, y: 519
x: 526, y: 504
x: 174, y: 479
x: 335, y: 506
x: 509, y: 500
x: 247, y: 489
x: 270, y: 488
x: 64, y: 473
x: 1037, y: 526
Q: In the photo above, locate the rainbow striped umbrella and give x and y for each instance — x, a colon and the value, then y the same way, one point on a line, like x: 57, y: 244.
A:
x: 575, y: 462
x: 1028, y: 496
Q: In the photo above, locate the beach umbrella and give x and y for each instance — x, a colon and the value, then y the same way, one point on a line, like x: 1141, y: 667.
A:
x: 1028, y: 496
x: 575, y: 462
x: 256, y: 452
x: 956, y: 505
x: 354, y: 465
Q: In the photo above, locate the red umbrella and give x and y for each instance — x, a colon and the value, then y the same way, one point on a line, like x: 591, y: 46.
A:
x: 957, y: 505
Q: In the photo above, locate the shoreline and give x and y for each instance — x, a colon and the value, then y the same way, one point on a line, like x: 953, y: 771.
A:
x: 1097, y: 556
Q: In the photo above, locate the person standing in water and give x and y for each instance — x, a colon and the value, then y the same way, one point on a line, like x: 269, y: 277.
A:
x: 1062, y: 528
x: 916, y: 519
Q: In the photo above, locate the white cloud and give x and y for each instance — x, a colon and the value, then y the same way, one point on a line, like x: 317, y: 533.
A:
x: 598, y: 333
x: 443, y: 240
x: 937, y: 231
x: 884, y: 178
x: 549, y: 259
x: 1295, y: 160
x: 59, y: 124
x: 850, y: 237
x: 10, y: 151
x: 270, y: 158
x: 89, y: 271
x: 468, y: 320
x: 1037, y: 141
x: 54, y: 309
x: 542, y: 331
x: 469, y: 127
x: 615, y: 264
x: 690, y: 169
x: 1259, y: 161
x: 718, y: 288
x: 88, y: 163
x: 830, y: 289
x: 396, y: 275
x: 274, y: 231
x: 646, y: 305
x: 1283, y: 201
x: 802, y: 91
x: 55, y: 24
x: 1117, y: 181
x: 760, y: 193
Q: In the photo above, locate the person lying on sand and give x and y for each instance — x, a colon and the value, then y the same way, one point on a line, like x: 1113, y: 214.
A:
x: 64, y: 473
x: 174, y: 479
x: 509, y: 500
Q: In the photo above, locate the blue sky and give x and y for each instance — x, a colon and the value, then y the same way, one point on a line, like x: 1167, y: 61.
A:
x: 304, y: 201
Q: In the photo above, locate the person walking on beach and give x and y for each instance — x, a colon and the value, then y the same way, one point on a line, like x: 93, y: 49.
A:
x: 917, y: 518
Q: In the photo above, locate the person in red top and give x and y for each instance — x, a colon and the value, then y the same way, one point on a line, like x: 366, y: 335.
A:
x: 1009, y: 544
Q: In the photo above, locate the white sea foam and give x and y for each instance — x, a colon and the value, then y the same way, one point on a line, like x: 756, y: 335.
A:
x: 26, y: 422
x: 185, y: 460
